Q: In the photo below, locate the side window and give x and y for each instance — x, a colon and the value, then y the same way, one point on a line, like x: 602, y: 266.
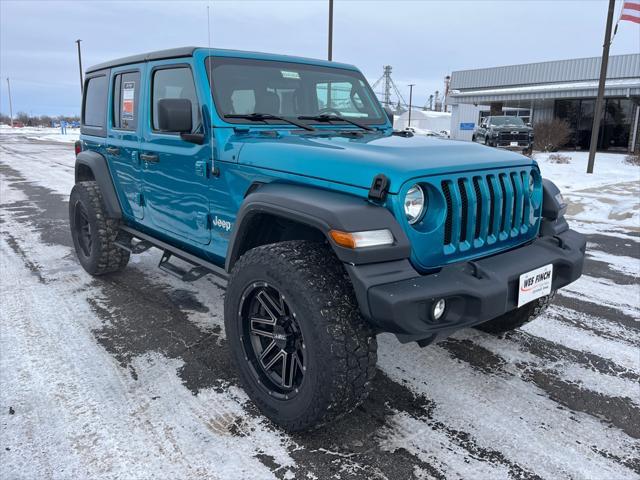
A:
x: 174, y: 83
x: 94, y: 112
x: 126, y: 89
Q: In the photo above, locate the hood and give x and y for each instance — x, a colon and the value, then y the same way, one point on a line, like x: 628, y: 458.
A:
x: 356, y: 161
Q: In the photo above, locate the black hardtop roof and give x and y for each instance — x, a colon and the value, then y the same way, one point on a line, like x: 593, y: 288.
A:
x: 188, y: 52
x: 145, y: 57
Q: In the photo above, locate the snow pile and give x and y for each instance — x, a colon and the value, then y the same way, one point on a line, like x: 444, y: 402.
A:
x: 611, y: 195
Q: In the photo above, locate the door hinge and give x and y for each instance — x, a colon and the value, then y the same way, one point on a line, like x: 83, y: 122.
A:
x: 201, y: 168
x: 203, y: 220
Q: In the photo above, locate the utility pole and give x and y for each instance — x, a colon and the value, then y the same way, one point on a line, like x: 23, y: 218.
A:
x: 330, y: 49
x: 10, y: 104
x: 411, y: 85
x: 80, y: 65
x: 603, y: 77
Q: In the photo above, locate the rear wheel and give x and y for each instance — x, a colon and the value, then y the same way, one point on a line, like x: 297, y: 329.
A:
x: 517, y: 318
x: 304, y: 354
x: 93, y: 233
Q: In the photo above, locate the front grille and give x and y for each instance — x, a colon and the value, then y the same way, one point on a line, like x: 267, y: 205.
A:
x: 486, y: 209
x: 513, y: 137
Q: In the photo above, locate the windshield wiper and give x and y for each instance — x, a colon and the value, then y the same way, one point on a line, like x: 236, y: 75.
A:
x: 337, y: 118
x: 262, y: 117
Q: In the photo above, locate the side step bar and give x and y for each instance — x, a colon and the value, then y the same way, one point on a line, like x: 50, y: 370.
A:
x: 137, y: 242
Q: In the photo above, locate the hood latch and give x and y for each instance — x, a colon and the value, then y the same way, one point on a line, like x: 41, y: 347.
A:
x: 379, y: 187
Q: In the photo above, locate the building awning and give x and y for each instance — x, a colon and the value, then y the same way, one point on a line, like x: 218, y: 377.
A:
x: 627, y: 87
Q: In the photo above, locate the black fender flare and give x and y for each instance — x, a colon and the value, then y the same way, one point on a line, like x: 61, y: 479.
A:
x: 100, y: 170
x: 323, y: 210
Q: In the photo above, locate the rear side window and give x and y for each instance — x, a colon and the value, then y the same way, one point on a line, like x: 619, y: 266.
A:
x: 174, y: 83
x: 126, y: 89
x: 95, y: 102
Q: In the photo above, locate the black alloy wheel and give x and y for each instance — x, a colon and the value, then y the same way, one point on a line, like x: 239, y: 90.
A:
x: 82, y: 229
x: 272, y: 340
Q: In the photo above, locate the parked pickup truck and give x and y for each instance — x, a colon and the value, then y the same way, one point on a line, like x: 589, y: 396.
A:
x: 505, y: 131
x: 283, y: 177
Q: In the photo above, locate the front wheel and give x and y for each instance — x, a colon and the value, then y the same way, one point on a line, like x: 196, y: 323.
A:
x: 518, y: 317
x: 304, y: 354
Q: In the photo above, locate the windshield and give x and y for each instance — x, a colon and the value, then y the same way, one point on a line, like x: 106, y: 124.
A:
x: 500, y: 121
x: 243, y: 86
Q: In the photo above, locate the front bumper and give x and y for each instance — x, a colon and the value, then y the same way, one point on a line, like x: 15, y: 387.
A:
x: 521, y: 145
x: 394, y: 298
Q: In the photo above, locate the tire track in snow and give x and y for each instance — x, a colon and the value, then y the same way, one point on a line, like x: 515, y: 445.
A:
x: 506, y: 412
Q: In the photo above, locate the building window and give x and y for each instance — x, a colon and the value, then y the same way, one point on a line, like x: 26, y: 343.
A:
x: 615, y: 123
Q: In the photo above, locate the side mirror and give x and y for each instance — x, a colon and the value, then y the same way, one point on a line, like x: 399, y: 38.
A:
x: 389, y: 113
x: 174, y: 115
x: 528, y: 124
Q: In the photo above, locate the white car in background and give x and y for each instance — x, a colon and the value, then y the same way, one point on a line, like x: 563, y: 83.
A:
x: 427, y: 133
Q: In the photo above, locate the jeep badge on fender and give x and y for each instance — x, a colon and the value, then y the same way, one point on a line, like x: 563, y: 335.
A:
x: 282, y: 176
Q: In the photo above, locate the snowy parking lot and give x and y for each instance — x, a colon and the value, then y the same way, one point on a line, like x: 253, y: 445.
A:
x: 129, y: 376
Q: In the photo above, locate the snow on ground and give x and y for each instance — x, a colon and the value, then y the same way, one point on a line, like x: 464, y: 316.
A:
x: 41, y: 133
x: 129, y: 376
x: 611, y: 195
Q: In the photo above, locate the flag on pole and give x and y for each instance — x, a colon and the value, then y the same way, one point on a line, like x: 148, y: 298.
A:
x: 630, y: 11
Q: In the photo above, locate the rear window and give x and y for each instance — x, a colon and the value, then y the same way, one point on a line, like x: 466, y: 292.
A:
x: 126, y: 87
x: 95, y: 102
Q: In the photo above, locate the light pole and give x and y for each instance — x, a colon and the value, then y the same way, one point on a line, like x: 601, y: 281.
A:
x: 330, y: 46
x: 80, y: 66
x: 10, y: 104
x: 411, y: 85
x: 599, y: 100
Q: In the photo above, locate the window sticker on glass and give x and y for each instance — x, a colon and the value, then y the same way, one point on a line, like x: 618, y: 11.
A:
x: 128, y: 96
x: 289, y: 74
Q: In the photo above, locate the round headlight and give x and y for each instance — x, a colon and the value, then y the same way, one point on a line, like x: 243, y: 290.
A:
x: 414, y: 204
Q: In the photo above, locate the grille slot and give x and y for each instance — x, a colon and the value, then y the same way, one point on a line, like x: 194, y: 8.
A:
x: 486, y: 208
x: 465, y: 210
x: 449, y: 219
x: 492, y: 204
x: 504, y: 203
x: 476, y: 188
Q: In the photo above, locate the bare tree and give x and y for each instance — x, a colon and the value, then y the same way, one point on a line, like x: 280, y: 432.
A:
x: 551, y: 136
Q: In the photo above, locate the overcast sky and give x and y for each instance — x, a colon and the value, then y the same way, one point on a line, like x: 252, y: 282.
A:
x: 423, y: 40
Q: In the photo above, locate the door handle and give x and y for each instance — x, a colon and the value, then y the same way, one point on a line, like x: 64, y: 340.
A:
x: 113, y: 150
x: 149, y: 157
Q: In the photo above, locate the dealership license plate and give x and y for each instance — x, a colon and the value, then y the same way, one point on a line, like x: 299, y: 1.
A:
x: 535, y: 284
x: 514, y: 144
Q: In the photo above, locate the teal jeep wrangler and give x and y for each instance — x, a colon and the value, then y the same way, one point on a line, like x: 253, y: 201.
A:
x: 283, y: 177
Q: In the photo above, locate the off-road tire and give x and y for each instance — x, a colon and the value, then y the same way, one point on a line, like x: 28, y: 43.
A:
x: 518, y: 317
x: 104, y: 256
x: 341, y: 349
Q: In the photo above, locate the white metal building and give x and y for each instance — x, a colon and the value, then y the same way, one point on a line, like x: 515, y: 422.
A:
x: 563, y: 89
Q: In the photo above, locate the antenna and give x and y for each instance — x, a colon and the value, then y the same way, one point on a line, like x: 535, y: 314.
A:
x: 214, y: 171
